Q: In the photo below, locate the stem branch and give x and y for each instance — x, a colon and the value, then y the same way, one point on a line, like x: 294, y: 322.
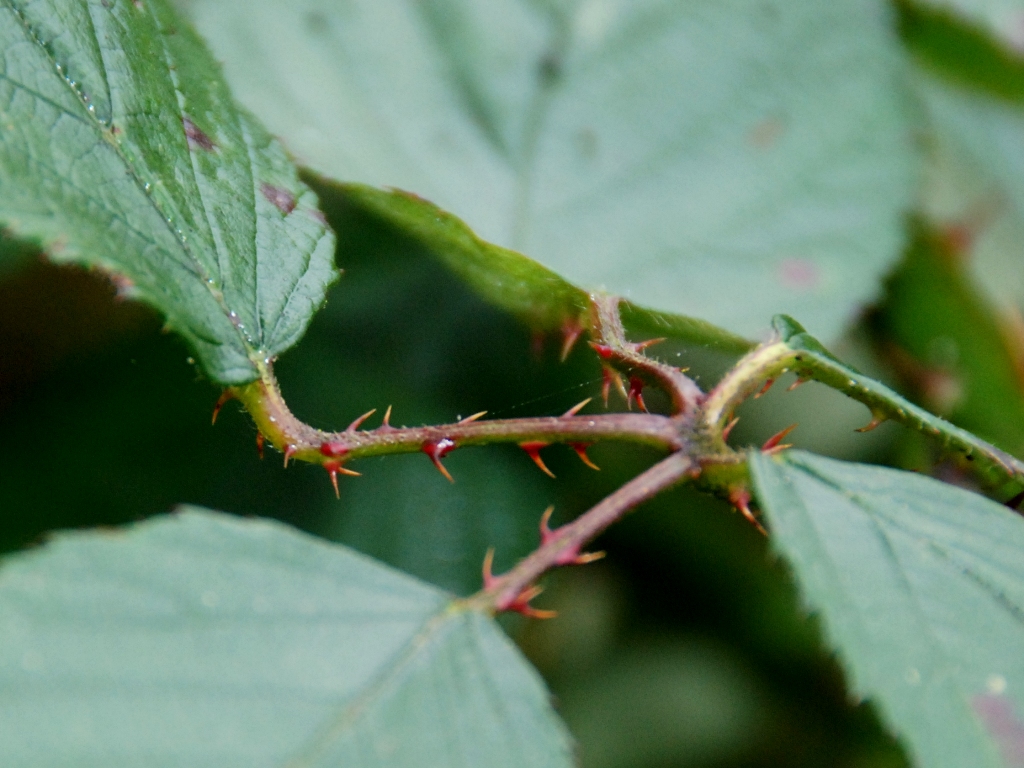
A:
x: 563, y: 545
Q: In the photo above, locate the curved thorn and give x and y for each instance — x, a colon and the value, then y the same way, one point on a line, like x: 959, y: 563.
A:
x: 533, y: 451
x: 488, y: 564
x: 259, y: 443
x: 437, y: 450
x: 332, y: 470
x: 545, y: 530
x: 289, y: 451
x: 640, y: 347
x: 577, y: 408
x: 765, y: 388
x: 589, y: 557
x: 224, y: 397
x: 355, y: 424
x: 570, y: 335
x: 796, y: 384
x: 876, y: 420
x: 773, y: 443
x: 581, y: 451
x: 387, y: 418
x: 442, y: 469
x: 728, y: 427
x: 740, y: 498
x: 474, y: 417
x: 636, y: 391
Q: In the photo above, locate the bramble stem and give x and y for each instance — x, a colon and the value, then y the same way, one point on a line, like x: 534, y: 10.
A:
x: 302, y: 442
x: 565, y: 543
x: 611, y: 345
x: 793, y: 350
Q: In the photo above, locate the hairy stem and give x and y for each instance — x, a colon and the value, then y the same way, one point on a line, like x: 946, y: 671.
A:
x: 563, y: 545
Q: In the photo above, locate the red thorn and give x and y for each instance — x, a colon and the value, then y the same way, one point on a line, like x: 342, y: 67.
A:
x: 636, y: 390
x: 796, y: 384
x: 437, y: 450
x: 334, y: 468
x: 571, y: 331
x: 645, y: 344
x: 765, y: 388
x: 546, y: 534
x: 603, y: 350
x: 474, y: 417
x: 571, y: 554
x: 521, y: 602
x: 876, y: 420
x: 606, y: 385
x: 581, y: 451
x: 224, y: 397
x: 488, y: 564
x: 532, y: 449
x: 739, y: 497
x: 773, y: 442
x: 333, y: 449
x: 289, y: 451
x: 355, y: 424
x: 728, y: 427
x: 386, y: 424
x: 577, y: 408
x: 259, y: 443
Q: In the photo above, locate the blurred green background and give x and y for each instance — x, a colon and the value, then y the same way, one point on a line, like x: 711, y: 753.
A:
x: 687, y: 646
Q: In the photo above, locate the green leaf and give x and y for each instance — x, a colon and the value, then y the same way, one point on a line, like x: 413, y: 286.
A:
x: 921, y: 589
x: 120, y: 147
x: 974, y: 43
x: 205, y: 640
x: 509, y: 279
x: 709, y: 159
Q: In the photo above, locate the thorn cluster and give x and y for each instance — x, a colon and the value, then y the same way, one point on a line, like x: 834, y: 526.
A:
x: 520, y: 603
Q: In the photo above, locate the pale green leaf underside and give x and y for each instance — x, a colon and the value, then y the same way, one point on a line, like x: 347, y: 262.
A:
x: 920, y: 586
x: 205, y: 640
x: 718, y: 160
x: 120, y: 147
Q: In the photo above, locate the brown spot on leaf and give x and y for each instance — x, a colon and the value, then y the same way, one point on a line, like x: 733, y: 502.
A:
x: 281, y: 199
x: 196, y: 138
x: 1001, y: 721
x: 799, y: 274
x: 766, y: 133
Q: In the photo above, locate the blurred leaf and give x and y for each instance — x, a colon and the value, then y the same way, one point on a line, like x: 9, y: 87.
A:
x: 720, y: 161
x: 121, y: 147
x: 962, y: 48
x: 200, y: 640
x: 921, y: 589
x: 959, y: 362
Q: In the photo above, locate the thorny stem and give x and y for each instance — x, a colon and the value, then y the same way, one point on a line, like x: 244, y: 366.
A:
x: 302, y: 442
x: 565, y: 543
x: 611, y: 345
x: 299, y: 441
